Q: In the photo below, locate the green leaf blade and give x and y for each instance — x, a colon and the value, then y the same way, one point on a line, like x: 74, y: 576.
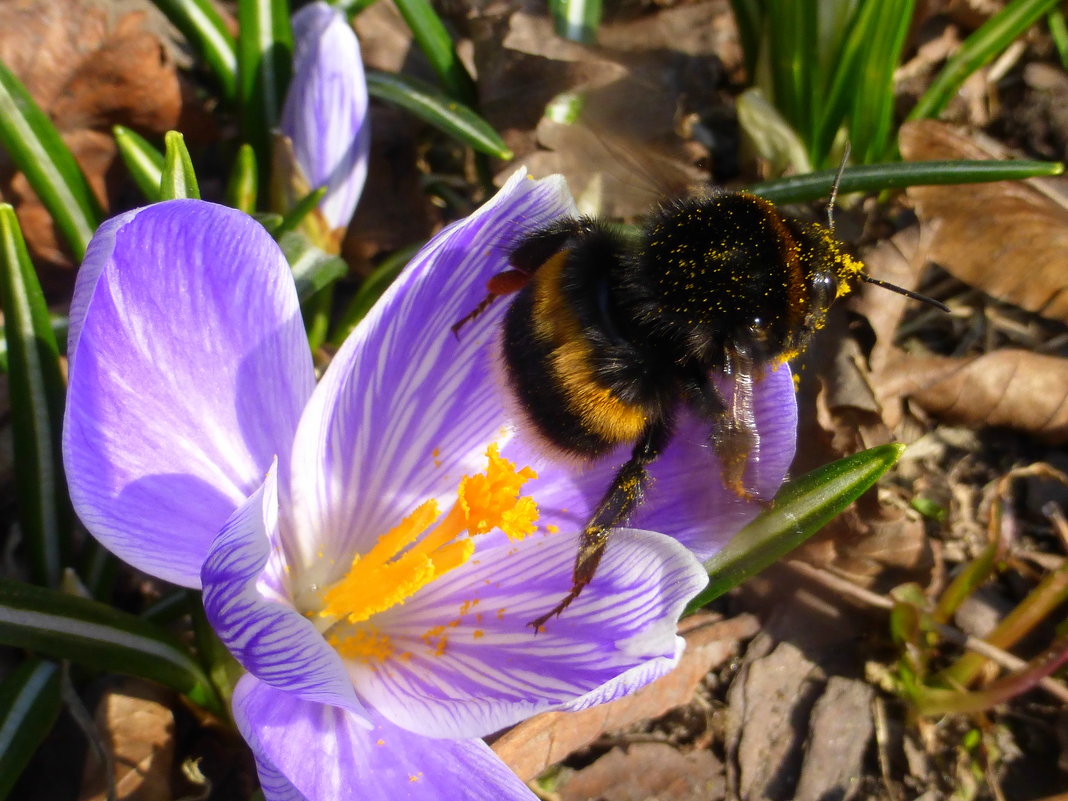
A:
x: 99, y: 637
x: 441, y: 111
x: 37, y: 398
x: 29, y: 705
x: 433, y: 39
x: 265, y: 63
x: 982, y: 46
x: 206, y: 31
x: 34, y: 144
x: 178, y: 179
x: 801, y: 508
x: 144, y: 162
x: 898, y: 175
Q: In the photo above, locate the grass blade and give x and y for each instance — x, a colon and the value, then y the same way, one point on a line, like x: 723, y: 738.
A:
x: 59, y: 323
x: 206, y: 32
x: 242, y: 190
x: 802, y: 507
x: 897, y: 175
x: 179, y: 179
x: 434, y: 40
x: 99, y: 637
x: 982, y: 46
x: 265, y: 64
x: 144, y: 162
x: 29, y: 705
x: 431, y: 105
x: 34, y: 144
x: 37, y: 397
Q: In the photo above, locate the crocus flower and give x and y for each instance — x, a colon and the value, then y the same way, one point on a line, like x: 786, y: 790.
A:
x: 325, y: 114
x: 367, y: 546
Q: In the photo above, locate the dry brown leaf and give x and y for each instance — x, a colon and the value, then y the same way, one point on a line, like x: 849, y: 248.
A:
x: 89, y: 64
x: 898, y: 260
x: 1009, y: 239
x: 535, y: 744
x: 137, y: 724
x: 1014, y: 388
x: 648, y: 772
x: 129, y: 78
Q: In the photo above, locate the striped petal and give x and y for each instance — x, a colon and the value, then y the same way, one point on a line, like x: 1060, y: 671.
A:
x: 406, y: 408
x: 471, y: 662
x: 267, y: 636
x: 325, y: 113
x: 323, y: 753
x: 189, y: 369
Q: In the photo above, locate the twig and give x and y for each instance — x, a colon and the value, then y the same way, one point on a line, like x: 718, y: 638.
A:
x: 948, y: 633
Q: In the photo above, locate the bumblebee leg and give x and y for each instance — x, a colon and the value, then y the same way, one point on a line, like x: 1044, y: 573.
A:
x: 621, y: 498
x: 735, y: 438
x: 500, y: 284
x: 734, y: 432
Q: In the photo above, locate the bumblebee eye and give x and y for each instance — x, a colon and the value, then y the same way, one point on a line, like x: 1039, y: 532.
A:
x: 823, y: 288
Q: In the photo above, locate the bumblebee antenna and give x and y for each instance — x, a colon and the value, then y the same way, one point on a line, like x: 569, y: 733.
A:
x: 908, y: 293
x: 834, y: 187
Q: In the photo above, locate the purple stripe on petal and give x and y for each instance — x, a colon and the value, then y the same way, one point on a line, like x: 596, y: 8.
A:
x: 327, y: 756
x: 273, y: 783
x: 406, y: 408
x: 271, y: 640
x: 493, y: 669
x: 325, y: 113
x: 686, y: 497
x: 190, y: 371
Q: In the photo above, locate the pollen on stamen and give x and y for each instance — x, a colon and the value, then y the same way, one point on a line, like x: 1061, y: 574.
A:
x: 363, y: 645
x: 420, y: 549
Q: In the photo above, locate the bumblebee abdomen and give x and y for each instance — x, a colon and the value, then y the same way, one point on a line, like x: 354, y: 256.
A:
x: 552, y: 369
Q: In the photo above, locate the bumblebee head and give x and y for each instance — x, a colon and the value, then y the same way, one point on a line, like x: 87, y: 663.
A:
x: 732, y: 272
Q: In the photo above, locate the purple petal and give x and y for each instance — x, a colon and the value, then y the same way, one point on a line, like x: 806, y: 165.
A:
x: 268, y: 637
x: 407, y: 408
x: 97, y: 256
x: 325, y: 113
x: 487, y: 668
x: 188, y: 373
x: 686, y: 497
x: 323, y: 753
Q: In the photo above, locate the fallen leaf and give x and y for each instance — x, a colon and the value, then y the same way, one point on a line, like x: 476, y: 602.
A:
x: 1009, y: 239
x: 534, y: 745
x: 129, y: 78
x: 137, y: 726
x: 900, y: 261
x: 647, y: 772
x: 89, y: 65
x: 1017, y: 389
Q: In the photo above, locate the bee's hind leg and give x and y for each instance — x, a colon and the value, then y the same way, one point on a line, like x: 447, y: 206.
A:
x: 622, y: 497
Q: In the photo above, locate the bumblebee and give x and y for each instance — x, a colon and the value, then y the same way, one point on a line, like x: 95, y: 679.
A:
x: 610, y: 333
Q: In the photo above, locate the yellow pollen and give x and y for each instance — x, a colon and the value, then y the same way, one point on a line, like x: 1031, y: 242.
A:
x: 491, y: 500
x: 421, y: 548
x: 365, y: 645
